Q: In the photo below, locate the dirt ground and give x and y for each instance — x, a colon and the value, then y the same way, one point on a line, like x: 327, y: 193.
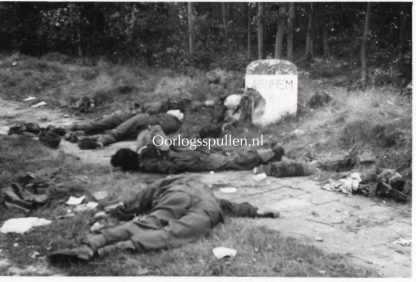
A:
x: 364, y: 229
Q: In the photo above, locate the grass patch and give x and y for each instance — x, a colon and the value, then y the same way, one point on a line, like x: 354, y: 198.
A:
x: 260, y: 252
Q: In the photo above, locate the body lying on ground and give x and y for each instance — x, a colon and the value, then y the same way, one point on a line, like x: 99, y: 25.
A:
x: 172, y: 212
x: 121, y: 126
x: 181, y: 159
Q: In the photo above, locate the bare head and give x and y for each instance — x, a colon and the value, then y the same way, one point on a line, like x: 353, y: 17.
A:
x: 127, y: 159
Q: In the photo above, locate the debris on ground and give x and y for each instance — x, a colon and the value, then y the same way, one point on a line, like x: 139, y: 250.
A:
x: 260, y: 176
x: 22, y: 225
x: 346, y: 185
x: 49, y: 136
x: 22, y: 128
x: 75, y: 201
x: 403, y: 242
x: 35, y: 255
x: 83, y: 105
x: 100, y: 195
x: 37, y: 105
x: 68, y: 213
x: 297, y: 133
x: 222, y: 252
x: 86, y: 207
x: 386, y: 184
x: 26, y: 193
x: 209, y: 103
x: 30, y: 98
x: 228, y: 190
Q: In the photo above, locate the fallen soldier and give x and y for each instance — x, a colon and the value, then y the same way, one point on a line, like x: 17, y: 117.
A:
x: 168, y: 213
x: 176, y: 160
x: 122, y: 126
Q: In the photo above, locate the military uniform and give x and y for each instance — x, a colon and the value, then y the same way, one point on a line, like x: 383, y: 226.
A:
x: 177, y: 210
x: 177, y: 160
x: 124, y: 125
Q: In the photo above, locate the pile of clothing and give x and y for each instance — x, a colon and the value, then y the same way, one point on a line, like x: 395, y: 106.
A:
x: 26, y: 193
x: 365, y: 179
x: 50, y: 136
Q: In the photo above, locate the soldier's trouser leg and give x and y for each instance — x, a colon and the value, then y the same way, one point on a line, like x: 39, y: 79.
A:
x: 187, y: 229
x: 131, y: 127
x: 249, y: 159
x: 113, y: 235
x: 109, y: 122
x: 132, y: 236
x: 287, y: 168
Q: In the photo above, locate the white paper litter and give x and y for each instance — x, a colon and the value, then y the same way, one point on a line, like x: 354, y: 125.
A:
x: 209, y: 103
x: 92, y: 205
x: 22, y: 225
x: 222, y: 252
x: 260, y: 177
x: 101, y: 195
x: 31, y: 98
x: 228, y: 190
x: 74, y: 201
x: 86, y: 207
x: 43, y: 103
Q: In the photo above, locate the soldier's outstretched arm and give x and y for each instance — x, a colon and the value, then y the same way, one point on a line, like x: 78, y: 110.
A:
x: 246, y: 210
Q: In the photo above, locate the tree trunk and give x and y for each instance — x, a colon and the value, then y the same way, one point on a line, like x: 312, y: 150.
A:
x: 79, y: 46
x: 92, y: 44
x: 191, y: 34
x: 309, y: 40
x: 403, y: 18
x: 364, y: 47
x: 325, y: 41
x: 260, y: 31
x: 290, y: 31
x: 248, y: 31
x: 224, y: 19
x: 280, y: 31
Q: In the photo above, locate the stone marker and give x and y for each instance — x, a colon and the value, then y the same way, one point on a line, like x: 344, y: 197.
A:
x: 277, y: 83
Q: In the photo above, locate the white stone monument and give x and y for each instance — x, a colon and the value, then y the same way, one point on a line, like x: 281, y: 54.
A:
x: 277, y: 83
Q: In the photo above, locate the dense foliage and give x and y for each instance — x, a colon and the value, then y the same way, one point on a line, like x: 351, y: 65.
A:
x: 157, y: 33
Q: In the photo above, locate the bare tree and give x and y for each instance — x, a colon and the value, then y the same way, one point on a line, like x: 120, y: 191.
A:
x: 290, y: 21
x: 309, y: 37
x: 403, y: 19
x: 191, y: 33
x: 281, y: 22
x: 260, y: 30
x: 364, y: 46
x: 325, y: 40
x: 248, y: 31
x: 224, y: 19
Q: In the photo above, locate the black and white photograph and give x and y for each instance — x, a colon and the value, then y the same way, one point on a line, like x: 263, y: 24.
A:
x: 206, y: 139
